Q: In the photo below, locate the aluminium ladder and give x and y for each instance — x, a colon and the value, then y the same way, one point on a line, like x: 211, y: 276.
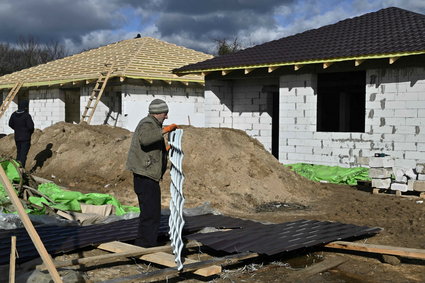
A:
x: 9, y: 98
x: 96, y: 94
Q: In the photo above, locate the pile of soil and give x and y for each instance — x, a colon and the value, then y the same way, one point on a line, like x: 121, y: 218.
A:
x: 240, y: 178
x: 225, y: 167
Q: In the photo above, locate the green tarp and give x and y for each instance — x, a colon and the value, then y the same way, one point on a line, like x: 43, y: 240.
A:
x: 13, y: 176
x: 61, y: 199
x: 331, y: 174
x: 71, y: 200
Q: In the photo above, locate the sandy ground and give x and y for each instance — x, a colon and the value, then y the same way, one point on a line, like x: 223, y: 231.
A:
x: 239, y: 178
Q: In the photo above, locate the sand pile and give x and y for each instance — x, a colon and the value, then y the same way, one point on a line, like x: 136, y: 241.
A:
x: 222, y: 166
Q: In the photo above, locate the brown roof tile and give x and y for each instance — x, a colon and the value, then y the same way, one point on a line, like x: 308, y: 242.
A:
x: 387, y: 31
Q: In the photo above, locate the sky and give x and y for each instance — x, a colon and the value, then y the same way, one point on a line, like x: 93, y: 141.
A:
x: 197, y: 24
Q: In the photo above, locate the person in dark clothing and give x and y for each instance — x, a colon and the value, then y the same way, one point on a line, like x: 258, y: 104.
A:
x: 21, y: 122
x: 147, y: 159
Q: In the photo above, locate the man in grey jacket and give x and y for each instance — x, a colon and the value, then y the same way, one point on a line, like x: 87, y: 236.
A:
x: 147, y: 159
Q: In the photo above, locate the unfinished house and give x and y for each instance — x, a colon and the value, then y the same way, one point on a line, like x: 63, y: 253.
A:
x: 333, y: 95
x: 112, y: 85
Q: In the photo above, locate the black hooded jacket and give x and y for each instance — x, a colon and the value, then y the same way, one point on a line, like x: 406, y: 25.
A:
x: 21, y: 122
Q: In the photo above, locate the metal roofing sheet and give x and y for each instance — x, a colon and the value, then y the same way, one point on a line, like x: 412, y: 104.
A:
x: 387, y: 31
x: 246, y: 236
x: 58, y: 239
x: 285, y: 237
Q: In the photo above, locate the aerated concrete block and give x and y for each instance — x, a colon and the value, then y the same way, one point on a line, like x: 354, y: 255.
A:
x: 363, y: 160
x: 420, y: 168
x: 380, y: 173
x: 421, y: 177
x: 399, y: 175
x: 376, y: 162
x: 412, y: 175
x: 416, y: 185
x: 381, y: 183
x: 399, y: 187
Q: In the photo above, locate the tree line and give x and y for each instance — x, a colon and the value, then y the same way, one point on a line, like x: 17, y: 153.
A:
x: 28, y: 52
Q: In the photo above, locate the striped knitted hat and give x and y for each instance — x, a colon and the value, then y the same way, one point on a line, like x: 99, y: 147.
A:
x: 158, y: 106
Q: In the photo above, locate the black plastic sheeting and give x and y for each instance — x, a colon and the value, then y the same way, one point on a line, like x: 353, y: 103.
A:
x: 245, y: 235
x: 284, y: 237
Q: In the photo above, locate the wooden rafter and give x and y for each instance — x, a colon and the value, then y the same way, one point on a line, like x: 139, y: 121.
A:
x: 327, y: 65
x: 225, y: 72
x: 298, y: 66
x: 272, y: 68
x: 393, y: 59
x: 248, y: 70
x: 358, y: 62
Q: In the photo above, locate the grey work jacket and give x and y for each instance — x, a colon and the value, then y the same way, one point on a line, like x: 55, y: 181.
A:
x: 147, y: 155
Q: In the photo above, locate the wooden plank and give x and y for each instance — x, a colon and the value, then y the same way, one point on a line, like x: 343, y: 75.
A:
x: 120, y: 250
x: 326, y: 264
x: 379, y: 249
x: 12, y: 260
x: 29, y: 227
x: 171, y: 272
x: 167, y: 259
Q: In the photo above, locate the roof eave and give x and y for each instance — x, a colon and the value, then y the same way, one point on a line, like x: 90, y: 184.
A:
x: 299, y: 63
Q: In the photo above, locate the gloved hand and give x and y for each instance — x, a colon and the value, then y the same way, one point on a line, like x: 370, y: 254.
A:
x: 169, y: 128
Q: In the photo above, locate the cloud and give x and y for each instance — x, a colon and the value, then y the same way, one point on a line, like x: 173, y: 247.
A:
x: 49, y: 20
x: 197, y: 24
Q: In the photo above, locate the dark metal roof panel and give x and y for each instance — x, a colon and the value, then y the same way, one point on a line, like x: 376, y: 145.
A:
x: 285, y: 237
x: 387, y: 31
x: 246, y: 235
x: 58, y: 239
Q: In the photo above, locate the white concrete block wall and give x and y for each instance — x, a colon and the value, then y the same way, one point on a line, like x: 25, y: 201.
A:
x: 394, y: 120
x: 4, y: 120
x: 47, y: 107
x: 108, y: 110
x: 242, y: 105
x: 186, y: 104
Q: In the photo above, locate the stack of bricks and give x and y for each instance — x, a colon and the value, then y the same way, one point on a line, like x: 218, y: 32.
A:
x: 405, y: 179
x: 380, y: 171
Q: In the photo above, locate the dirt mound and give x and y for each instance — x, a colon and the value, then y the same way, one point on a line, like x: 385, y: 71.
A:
x: 222, y: 166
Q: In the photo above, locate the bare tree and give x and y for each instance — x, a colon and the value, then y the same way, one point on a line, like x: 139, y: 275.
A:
x: 28, y: 52
x: 224, y: 47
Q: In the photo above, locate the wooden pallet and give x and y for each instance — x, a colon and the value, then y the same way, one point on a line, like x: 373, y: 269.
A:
x: 408, y: 194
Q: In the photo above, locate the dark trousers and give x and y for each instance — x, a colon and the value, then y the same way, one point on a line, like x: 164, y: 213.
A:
x: 22, y: 148
x: 149, y: 195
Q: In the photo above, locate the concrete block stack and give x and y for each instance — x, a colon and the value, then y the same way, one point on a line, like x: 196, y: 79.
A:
x: 385, y: 175
x: 418, y: 184
x: 380, y: 171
